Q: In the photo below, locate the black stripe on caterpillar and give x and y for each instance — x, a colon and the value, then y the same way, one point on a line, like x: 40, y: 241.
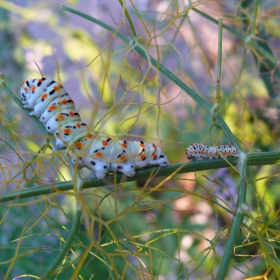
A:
x: 51, y: 104
x: 197, y: 151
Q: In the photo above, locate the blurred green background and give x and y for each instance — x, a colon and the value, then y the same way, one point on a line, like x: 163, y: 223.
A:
x: 149, y: 229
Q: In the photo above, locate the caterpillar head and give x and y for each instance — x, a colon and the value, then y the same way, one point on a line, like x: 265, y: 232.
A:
x: 32, y: 90
x: 23, y: 95
x: 25, y: 91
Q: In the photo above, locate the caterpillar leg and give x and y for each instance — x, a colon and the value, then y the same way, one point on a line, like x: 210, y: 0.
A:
x: 99, y: 168
x: 69, y: 132
x: 120, y: 158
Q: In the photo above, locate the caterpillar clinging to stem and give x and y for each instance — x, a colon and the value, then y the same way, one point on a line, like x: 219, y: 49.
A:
x: 198, y: 151
x: 51, y: 104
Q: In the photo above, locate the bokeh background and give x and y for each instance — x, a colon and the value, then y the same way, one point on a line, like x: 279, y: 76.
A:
x: 149, y: 229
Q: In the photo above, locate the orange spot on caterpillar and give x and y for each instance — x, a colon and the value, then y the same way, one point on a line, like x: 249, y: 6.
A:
x: 67, y: 131
x: 105, y: 143
x: 124, y: 144
x: 44, y: 96
x: 142, y: 157
x: 56, y: 88
x: 60, y: 117
x: 52, y: 107
x: 72, y: 114
x: 123, y: 158
x: 142, y: 145
x: 99, y: 154
x: 79, y: 145
x: 154, y: 157
x: 64, y: 101
x: 33, y: 88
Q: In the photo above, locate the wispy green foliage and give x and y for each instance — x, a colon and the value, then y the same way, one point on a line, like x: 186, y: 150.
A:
x: 170, y: 73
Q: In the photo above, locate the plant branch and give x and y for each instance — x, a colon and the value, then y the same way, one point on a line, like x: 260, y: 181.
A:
x: 66, y: 246
x: 237, y: 221
x: 141, y: 51
x: 254, y: 159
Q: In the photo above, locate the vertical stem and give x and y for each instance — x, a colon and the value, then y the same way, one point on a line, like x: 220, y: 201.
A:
x: 75, y: 226
x: 256, y: 6
x: 236, y: 221
x: 67, y: 245
x: 129, y: 19
x: 219, y: 64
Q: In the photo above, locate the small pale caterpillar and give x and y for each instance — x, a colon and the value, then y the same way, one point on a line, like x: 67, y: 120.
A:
x: 51, y: 104
x: 197, y: 151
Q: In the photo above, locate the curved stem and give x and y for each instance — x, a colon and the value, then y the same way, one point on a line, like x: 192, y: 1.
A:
x: 51, y: 270
x: 141, y: 51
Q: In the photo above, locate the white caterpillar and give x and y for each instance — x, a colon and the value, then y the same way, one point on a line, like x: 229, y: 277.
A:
x: 51, y: 104
x: 197, y: 151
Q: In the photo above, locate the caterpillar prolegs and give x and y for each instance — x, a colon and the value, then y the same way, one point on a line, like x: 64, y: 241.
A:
x: 197, y: 151
x: 51, y: 104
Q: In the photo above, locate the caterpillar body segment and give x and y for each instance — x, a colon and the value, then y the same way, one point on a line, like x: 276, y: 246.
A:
x: 69, y: 132
x: 42, y: 104
x: 62, y: 117
x: 54, y: 107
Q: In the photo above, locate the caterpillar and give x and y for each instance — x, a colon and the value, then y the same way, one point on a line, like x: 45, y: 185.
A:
x: 51, y: 104
x: 197, y: 151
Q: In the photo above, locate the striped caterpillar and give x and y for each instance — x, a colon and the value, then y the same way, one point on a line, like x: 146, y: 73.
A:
x: 197, y: 151
x: 51, y: 104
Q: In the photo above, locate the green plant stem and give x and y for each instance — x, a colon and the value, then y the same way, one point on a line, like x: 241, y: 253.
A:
x: 51, y: 270
x: 219, y: 64
x: 236, y: 224
x: 141, y: 50
x: 253, y: 44
x: 268, y: 70
x: 256, y: 7
x: 255, y: 159
x: 129, y: 19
